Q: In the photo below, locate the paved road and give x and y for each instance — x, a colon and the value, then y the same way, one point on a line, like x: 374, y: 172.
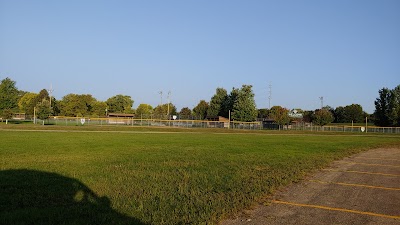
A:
x: 362, y: 189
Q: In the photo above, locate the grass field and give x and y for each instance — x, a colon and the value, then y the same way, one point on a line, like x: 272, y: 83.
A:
x: 154, y: 176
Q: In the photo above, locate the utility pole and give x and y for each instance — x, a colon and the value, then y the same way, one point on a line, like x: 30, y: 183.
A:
x: 34, y: 115
x: 270, y: 95
x: 322, y: 101
x: 169, y: 93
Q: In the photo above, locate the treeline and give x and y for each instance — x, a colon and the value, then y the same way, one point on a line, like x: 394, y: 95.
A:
x: 349, y: 114
x: 238, y: 104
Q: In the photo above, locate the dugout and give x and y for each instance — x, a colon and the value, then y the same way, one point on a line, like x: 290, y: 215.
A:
x: 217, y: 121
x: 269, y: 124
x: 120, y: 118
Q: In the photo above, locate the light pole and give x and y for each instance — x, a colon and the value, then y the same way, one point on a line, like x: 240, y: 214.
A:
x: 322, y: 101
x: 34, y: 115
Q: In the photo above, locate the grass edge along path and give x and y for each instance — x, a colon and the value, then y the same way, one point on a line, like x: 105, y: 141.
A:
x: 176, y: 178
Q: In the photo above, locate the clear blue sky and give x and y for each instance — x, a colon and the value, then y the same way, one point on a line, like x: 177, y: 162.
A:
x: 343, y: 50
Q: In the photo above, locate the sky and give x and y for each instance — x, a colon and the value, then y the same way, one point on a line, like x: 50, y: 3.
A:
x: 344, y: 50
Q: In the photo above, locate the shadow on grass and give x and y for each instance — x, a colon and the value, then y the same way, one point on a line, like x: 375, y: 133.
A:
x: 37, y: 197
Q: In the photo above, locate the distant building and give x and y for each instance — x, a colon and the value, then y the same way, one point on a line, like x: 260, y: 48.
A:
x: 269, y: 124
x: 295, y: 114
x: 19, y: 116
x: 120, y: 118
x: 217, y: 121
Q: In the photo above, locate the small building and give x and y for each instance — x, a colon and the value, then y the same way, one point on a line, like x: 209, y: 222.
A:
x: 217, y: 121
x: 19, y: 116
x: 269, y: 124
x: 120, y: 118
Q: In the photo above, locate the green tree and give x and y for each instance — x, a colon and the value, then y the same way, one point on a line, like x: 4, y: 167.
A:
x: 7, y: 114
x: 55, y: 106
x: 244, y: 108
x: 354, y: 112
x: 9, y: 94
x: 308, y: 116
x: 280, y: 115
x: 387, y: 107
x: 43, y: 94
x: 322, y: 117
x: 27, y: 103
x: 200, y: 111
x: 217, y: 103
x: 161, y: 111
x: 339, y: 115
x: 228, y: 105
x: 263, y: 113
x: 43, y: 109
x: 396, y: 94
x: 120, y: 104
x: 144, y: 110
x: 73, y: 105
x: 98, y: 108
x: 185, y: 113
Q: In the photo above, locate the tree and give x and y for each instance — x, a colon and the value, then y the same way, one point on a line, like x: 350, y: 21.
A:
x: 74, y: 105
x: 339, y: 115
x: 43, y: 109
x: 280, y: 115
x: 120, y: 104
x: 161, y: 111
x: 322, y: 117
x: 200, y: 111
x: 9, y: 94
x: 98, y: 108
x: 185, y: 113
x: 263, y: 113
x: 396, y: 93
x: 43, y: 94
x: 308, y: 116
x: 144, y: 110
x: 387, y: 107
x: 55, y: 106
x: 230, y: 102
x: 354, y: 113
x: 7, y: 114
x: 217, y: 103
x: 27, y: 103
x: 244, y: 108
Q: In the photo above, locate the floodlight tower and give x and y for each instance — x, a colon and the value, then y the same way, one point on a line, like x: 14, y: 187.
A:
x: 322, y: 101
x: 50, y: 92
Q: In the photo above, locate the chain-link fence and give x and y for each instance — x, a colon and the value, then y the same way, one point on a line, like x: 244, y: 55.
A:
x: 155, y: 122
x: 360, y: 129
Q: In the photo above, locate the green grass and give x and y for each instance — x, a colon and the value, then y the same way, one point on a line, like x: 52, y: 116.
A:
x: 194, y: 177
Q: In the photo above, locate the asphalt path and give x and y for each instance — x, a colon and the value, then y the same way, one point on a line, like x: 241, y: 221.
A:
x: 361, y: 189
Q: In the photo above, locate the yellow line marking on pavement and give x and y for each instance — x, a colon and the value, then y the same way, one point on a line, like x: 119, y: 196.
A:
x: 369, y: 164
x: 336, y: 209
x: 377, y: 158
x: 352, y: 171
x: 357, y: 185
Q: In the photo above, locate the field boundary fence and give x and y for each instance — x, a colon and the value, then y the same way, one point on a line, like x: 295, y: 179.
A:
x: 90, y: 121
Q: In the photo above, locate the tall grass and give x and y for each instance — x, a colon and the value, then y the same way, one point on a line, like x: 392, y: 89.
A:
x: 176, y: 178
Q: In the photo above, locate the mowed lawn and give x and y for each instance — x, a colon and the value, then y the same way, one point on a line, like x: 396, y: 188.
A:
x: 56, y: 177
